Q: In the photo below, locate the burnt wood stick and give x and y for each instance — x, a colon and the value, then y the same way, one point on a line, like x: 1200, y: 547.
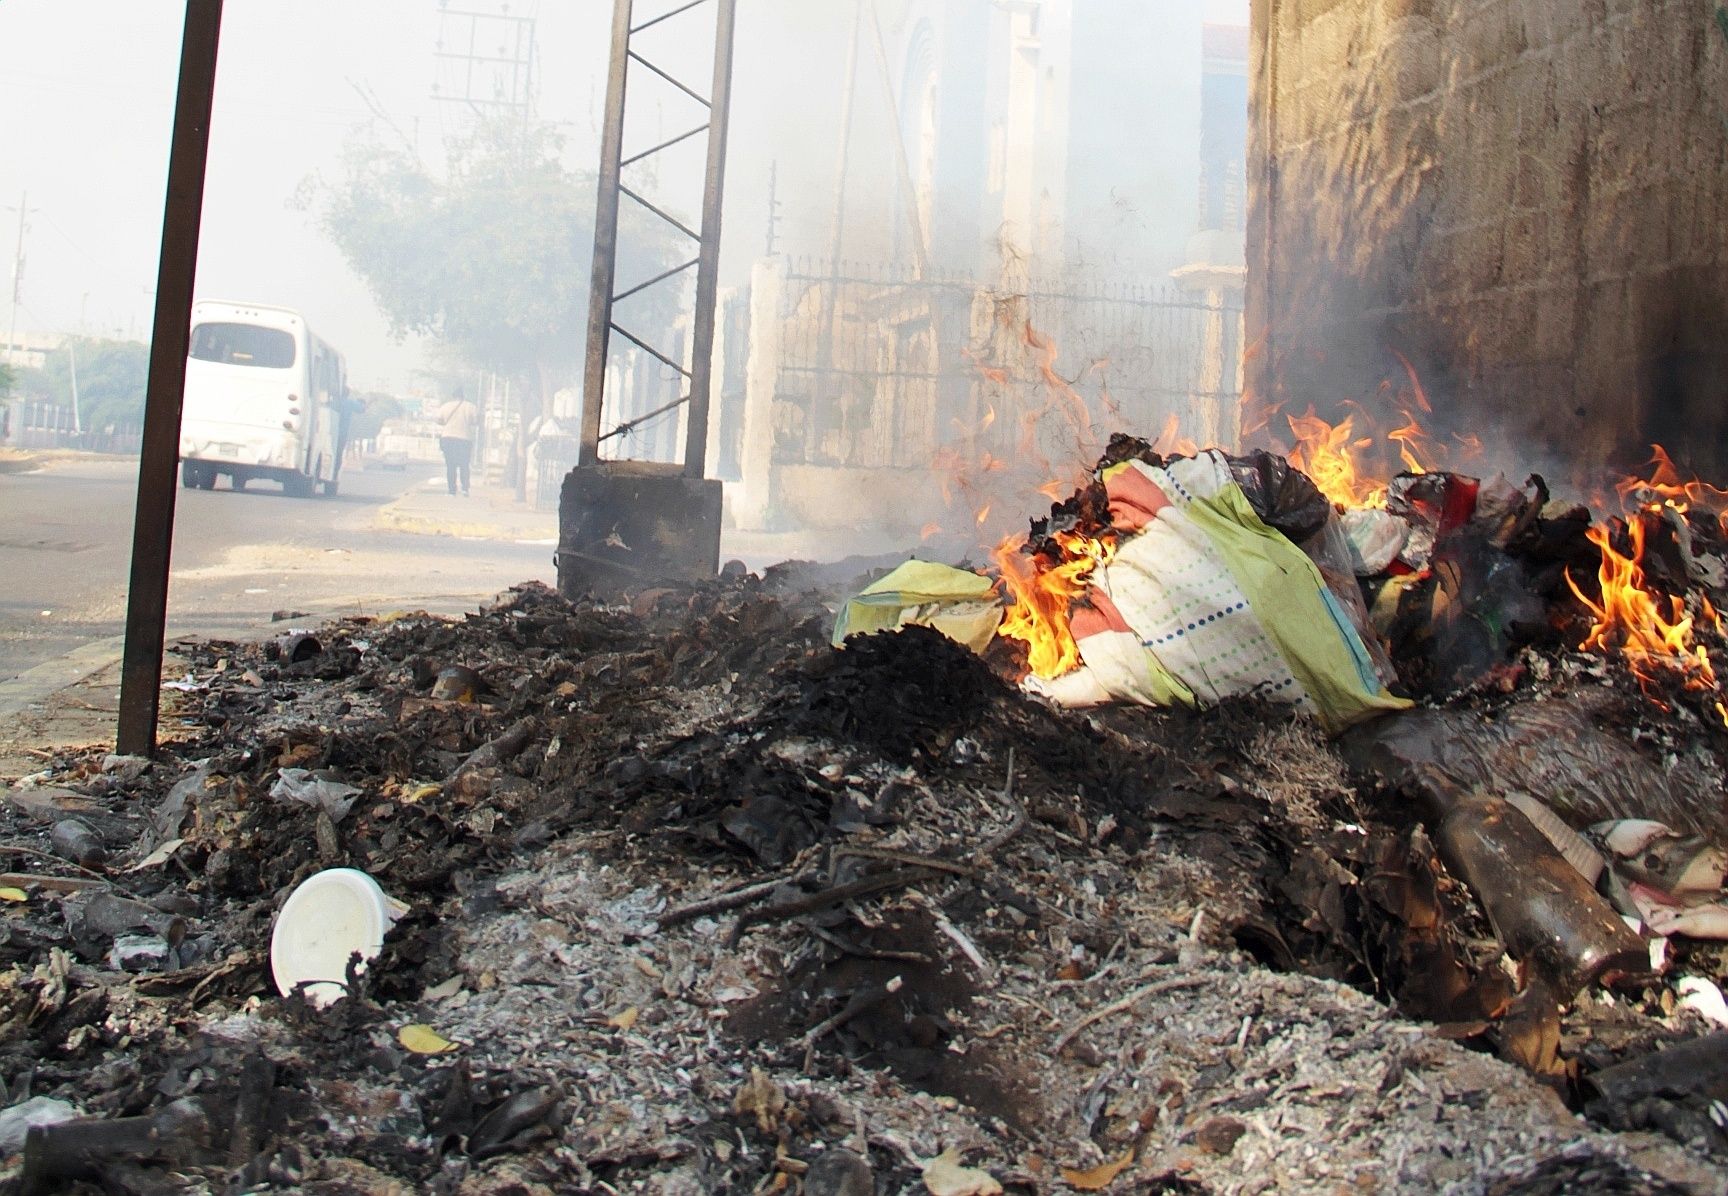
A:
x: 862, y: 1000
x: 251, y: 1109
x: 54, y: 884
x: 500, y: 749
x: 909, y: 858
x: 71, y: 1150
x: 720, y: 902
x: 827, y: 897
x: 1697, y: 1067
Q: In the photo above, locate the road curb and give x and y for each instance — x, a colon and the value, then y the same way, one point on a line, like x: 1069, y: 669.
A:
x: 16, y: 461
x: 37, y: 684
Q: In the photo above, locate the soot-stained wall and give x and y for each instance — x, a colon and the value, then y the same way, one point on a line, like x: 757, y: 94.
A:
x: 1526, y: 198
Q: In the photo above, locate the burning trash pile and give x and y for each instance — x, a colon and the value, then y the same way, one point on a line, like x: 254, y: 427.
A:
x: 676, y: 896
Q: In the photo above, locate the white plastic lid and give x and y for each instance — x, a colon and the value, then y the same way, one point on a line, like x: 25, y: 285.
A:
x: 327, y: 918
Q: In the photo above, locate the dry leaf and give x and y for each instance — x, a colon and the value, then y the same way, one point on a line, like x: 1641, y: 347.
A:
x: 424, y: 1040
x: 11, y: 894
x: 160, y: 856
x: 944, y: 1176
x: 447, y: 988
x: 761, y: 1098
x: 625, y: 1020
x: 1100, y: 1177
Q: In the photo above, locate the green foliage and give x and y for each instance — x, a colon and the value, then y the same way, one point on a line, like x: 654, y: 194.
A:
x: 112, y: 376
x: 7, y: 378
x: 492, y: 258
x: 369, y: 421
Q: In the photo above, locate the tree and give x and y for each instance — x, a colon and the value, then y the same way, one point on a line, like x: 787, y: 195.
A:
x: 492, y: 257
x: 377, y: 409
x: 112, y: 377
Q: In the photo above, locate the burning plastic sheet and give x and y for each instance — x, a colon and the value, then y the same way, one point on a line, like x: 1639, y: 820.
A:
x: 1201, y: 600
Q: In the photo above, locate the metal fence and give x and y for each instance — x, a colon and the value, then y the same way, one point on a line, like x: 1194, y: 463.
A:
x: 882, y: 369
x: 51, y: 426
x: 877, y: 369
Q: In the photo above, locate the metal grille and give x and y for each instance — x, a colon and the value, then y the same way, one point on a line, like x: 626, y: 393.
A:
x: 881, y: 369
x: 51, y: 426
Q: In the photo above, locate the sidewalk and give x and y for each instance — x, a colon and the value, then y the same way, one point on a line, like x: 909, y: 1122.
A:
x: 18, y: 460
x: 491, y: 512
x: 14, y: 460
x: 65, y: 703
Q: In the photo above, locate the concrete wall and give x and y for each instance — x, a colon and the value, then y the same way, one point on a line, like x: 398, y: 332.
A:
x: 1529, y: 198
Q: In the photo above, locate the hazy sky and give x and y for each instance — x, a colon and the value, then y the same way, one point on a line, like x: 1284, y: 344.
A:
x: 87, y: 97
x: 86, y: 105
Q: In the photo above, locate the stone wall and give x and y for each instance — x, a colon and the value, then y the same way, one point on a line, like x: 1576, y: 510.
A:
x: 1527, y: 198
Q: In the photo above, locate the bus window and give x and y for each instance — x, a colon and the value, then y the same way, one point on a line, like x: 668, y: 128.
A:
x: 243, y: 344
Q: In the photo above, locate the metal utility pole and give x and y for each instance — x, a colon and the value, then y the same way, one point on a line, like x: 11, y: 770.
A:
x: 773, y: 206
x: 17, y: 273
x: 153, y: 523
x: 605, y: 503
x: 72, y: 357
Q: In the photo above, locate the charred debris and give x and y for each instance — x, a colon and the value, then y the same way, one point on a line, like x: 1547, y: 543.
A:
x: 699, y: 903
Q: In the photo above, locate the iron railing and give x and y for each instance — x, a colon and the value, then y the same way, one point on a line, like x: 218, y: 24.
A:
x: 879, y: 368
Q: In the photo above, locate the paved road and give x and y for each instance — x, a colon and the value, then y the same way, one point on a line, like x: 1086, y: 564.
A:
x: 65, y: 543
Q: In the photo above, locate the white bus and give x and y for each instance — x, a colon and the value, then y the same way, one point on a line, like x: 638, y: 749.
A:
x: 265, y: 398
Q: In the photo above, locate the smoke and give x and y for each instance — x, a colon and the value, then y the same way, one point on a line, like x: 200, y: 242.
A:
x: 982, y: 208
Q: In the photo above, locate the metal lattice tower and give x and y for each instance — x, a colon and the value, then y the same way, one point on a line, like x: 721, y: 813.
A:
x: 485, y: 60
x: 627, y: 60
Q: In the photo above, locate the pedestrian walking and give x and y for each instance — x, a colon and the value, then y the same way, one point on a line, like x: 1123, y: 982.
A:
x: 458, y: 419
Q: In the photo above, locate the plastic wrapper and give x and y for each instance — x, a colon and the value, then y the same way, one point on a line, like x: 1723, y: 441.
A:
x: 1284, y: 497
x: 1375, y: 539
x: 1287, y: 501
x: 315, y: 789
x: 1550, y: 750
x: 1329, y: 549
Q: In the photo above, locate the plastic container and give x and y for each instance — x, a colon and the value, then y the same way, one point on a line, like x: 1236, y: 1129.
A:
x: 326, y: 919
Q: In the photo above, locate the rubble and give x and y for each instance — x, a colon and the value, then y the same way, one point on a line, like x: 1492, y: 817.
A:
x: 698, y: 902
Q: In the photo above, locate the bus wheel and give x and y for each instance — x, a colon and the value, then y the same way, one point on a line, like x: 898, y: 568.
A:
x: 330, y: 488
x: 188, y: 475
x: 206, y: 479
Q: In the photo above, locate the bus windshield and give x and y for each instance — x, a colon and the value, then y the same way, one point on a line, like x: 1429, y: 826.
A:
x: 243, y: 344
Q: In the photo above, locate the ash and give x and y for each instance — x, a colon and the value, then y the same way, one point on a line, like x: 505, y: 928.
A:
x: 698, y: 901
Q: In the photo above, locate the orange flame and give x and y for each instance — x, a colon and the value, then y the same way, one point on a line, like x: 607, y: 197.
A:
x: 1409, y: 439
x: 1170, y: 440
x: 1042, y: 594
x: 1650, y: 629
x: 1665, y: 487
x: 1328, y: 453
